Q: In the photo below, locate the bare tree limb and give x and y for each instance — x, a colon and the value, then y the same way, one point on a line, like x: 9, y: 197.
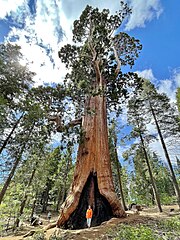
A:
x: 117, y: 60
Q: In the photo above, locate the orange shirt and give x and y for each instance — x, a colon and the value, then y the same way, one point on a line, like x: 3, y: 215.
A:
x: 89, y: 213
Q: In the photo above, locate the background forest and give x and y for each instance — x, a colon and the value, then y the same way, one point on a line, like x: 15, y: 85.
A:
x: 42, y: 115
x: 36, y: 173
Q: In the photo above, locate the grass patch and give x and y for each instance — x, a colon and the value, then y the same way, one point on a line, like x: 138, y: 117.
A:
x: 160, y: 230
x: 127, y: 232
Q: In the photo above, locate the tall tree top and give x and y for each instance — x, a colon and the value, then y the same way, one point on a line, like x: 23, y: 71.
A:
x: 99, y: 51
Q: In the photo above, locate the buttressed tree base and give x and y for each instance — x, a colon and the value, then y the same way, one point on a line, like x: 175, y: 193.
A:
x: 92, y: 183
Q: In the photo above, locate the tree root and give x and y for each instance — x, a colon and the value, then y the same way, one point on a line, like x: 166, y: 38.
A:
x: 49, y: 226
x: 30, y: 233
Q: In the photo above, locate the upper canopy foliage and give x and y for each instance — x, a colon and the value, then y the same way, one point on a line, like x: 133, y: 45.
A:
x: 99, y: 52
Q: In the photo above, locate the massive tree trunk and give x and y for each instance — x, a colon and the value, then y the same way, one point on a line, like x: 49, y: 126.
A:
x: 92, y: 183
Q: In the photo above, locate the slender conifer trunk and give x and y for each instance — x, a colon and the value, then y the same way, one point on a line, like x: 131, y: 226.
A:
x: 23, y: 202
x: 119, y: 175
x: 155, y: 191
x: 174, y: 180
x: 14, y: 167
x: 10, y: 134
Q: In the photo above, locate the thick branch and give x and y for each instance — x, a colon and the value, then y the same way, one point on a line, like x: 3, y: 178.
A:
x: 95, y: 61
x: 60, y: 127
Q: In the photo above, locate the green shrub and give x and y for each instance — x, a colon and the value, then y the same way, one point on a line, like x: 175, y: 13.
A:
x: 166, y: 199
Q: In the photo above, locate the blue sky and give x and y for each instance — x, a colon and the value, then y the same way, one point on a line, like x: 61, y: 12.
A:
x: 37, y: 26
x: 160, y: 39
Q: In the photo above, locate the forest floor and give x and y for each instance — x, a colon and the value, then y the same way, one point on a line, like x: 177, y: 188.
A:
x: 148, y: 216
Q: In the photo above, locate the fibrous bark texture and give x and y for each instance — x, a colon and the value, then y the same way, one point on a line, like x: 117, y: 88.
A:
x: 92, y: 182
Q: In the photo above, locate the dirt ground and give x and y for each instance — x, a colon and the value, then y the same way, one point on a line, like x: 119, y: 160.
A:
x: 146, y: 215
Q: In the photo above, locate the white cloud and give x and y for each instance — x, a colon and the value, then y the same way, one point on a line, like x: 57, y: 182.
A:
x: 40, y: 40
x: 72, y: 9
x: 41, y: 36
x: 7, y: 6
x: 169, y: 86
x: 39, y: 61
x: 147, y: 74
x: 143, y: 11
x: 56, y: 139
x: 176, y: 76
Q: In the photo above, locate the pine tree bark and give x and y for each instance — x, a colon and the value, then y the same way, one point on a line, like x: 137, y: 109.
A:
x: 174, y: 180
x: 34, y: 205
x: 10, y: 134
x: 45, y: 196
x: 16, y: 162
x: 23, y: 202
x: 65, y: 177
x: 59, y: 199
x: 119, y: 175
x: 92, y: 183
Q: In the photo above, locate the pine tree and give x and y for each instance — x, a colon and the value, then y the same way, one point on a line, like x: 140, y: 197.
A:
x: 155, y: 105
x: 165, y: 122
x: 115, y: 161
x: 136, y: 119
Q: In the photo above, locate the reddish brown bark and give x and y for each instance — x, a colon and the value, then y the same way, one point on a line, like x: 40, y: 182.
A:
x: 92, y: 183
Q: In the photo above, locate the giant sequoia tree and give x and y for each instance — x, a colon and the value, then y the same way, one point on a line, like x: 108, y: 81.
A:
x: 95, y: 82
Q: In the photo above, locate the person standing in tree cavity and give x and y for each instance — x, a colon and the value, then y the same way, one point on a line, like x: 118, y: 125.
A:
x: 89, y: 214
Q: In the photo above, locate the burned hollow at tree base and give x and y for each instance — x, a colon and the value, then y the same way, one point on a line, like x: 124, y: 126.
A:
x: 90, y: 196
